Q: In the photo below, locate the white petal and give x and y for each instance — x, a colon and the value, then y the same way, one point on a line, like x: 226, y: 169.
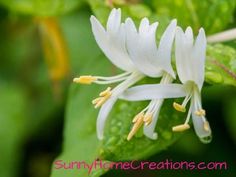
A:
x: 114, y: 20
x: 198, y: 124
x: 113, y: 45
x: 198, y: 56
x: 149, y: 130
x: 183, y: 55
x: 163, y: 59
x: 142, y: 46
x: 153, y: 91
x: 189, y: 36
x: 99, y: 32
x: 103, y: 115
x: 144, y: 26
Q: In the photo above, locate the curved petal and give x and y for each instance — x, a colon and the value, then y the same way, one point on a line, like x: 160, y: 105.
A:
x: 103, y: 115
x: 114, y: 21
x: 198, y: 57
x: 201, y: 126
x: 163, y: 58
x: 189, y: 37
x: 142, y: 46
x: 149, y: 130
x: 113, y: 43
x: 144, y: 26
x: 99, y: 32
x: 153, y: 91
x: 198, y: 124
x: 183, y: 51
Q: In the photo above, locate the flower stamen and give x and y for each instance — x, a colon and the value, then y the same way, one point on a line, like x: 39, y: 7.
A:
x: 105, y: 92
x: 85, y: 79
x: 104, y: 96
x: 179, y: 107
x: 200, y: 112
x: 141, y: 114
x: 138, y: 122
x: 206, y: 126
x: 180, y: 128
x: 148, y: 118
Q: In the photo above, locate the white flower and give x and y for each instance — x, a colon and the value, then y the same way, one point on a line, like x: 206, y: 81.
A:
x: 153, y: 62
x: 135, y: 53
x: 190, y: 63
x: 112, y: 42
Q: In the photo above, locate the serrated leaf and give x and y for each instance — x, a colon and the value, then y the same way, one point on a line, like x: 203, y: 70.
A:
x: 221, y: 65
x: 213, y: 15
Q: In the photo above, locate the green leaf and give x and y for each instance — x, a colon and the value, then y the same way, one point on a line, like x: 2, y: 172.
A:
x: 230, y: 111
x: 13, y: 118
x: 41, y: 7
x: 221, y: 65
x: 115, y: 145
x: 136, y: 11
x: 213, y: 15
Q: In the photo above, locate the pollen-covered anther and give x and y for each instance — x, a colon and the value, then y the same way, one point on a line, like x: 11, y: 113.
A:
x: 105, y: 92
x: 141, y: 114
x: 180, y: 128
x: 201, y: 112
x: 179, y: 107
x: 85, y: 79
x: 206, y: 126
x: 138, y: 123
x: 147, y: 118
x: 104, y: 96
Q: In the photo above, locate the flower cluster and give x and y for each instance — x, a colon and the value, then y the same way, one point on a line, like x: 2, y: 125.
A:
x: 135, y: 52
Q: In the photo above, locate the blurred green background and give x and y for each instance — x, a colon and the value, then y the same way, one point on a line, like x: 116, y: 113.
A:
x: 45, y: 43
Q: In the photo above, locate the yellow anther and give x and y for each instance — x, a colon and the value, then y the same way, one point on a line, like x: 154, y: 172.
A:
x: 137, y: 125
x: 96, y: 100
x: 141, y: 114
x: 201, y: 112
x: 85, y: 79
x: 148, y: 118
x: 206, y: 126
x: 180, y: 128
x: 105, y: 95
x: 179, y: 107
x: 105, y: 92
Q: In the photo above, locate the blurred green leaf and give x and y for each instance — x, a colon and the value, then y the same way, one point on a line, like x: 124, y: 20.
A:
x: 230, y: 116
x: 13, y: 118
x: 41, y: 7
x: 213, y: 15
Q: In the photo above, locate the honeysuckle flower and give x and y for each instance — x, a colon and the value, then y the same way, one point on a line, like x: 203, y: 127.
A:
x: 112, y: 42
x: 190, y: 64
x: 153, y: 62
